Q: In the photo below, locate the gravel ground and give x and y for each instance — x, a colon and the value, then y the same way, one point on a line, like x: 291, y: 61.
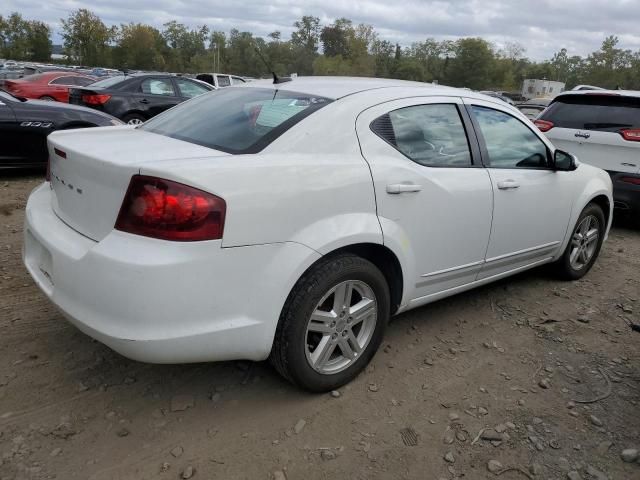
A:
x: 527, y: 378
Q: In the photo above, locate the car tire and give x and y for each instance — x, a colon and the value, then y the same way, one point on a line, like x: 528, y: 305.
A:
x: 295, y: 353
x: 134, y: 119
x: 47, y: 98
x: 573, y: 264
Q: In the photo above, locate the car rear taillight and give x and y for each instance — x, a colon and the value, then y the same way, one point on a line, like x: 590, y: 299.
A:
x: 95, y: 99
x: 631, y: 180
x: 159, y: 208
x: 631, y: 134
x: 543, y: 125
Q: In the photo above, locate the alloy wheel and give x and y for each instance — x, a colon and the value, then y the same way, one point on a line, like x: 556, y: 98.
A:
x: 584, y: 242
x: 134, y: 121
x: 341, y: 326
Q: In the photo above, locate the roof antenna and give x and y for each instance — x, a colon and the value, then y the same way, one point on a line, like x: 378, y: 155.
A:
x: 276, y: 79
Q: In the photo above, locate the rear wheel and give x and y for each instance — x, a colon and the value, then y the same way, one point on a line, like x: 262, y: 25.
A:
x: 584, y: 244
x: 47, y: 98
x: 133, y: 119
x: 332, y: 324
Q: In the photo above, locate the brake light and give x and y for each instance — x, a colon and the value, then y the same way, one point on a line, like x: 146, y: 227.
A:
x: 158, y: 208
x: 631, y: 180
x: 543, y: 125
x: 631, y: 134
x: 95, y: 99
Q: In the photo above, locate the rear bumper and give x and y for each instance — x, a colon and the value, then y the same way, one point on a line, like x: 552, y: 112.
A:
x: 626, y: 196
x: 159, y: 301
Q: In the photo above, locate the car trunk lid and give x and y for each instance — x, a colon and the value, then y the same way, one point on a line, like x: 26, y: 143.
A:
x: 91, y: 170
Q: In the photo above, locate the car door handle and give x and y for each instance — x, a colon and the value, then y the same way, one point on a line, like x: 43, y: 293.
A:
x: 508, y: 184
x: 403, y: 188
x: 144, y: 100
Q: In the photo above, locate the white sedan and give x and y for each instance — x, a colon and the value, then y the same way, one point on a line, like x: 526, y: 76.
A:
x: 289, y: 221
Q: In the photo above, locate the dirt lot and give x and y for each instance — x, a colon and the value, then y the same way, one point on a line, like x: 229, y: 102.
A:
x: 514, y: 361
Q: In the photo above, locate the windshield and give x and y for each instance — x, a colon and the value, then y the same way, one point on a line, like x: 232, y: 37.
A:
x: 8, y: 96
x: 236, y: 120
x: 109, y: 82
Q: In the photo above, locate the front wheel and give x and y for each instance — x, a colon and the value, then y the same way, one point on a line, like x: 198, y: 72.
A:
x: 332, y: 324
x: 133, y: 119
x: 584, y: 244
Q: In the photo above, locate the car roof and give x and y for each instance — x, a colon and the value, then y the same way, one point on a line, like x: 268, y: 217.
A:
x: 339, y: 87
x: 618, y: 93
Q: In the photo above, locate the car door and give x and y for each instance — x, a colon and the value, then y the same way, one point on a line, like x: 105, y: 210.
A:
x: 155, y: 95
x: 433, y: 196
x: 532, y: 202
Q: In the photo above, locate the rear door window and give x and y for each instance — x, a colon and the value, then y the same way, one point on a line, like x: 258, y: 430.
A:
x: 157, y: 86
x: 236, y: 120
x: 606, y: 113
x: 432, y: 135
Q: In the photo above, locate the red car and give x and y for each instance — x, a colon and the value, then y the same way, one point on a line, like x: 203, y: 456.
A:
x: 48, y: 85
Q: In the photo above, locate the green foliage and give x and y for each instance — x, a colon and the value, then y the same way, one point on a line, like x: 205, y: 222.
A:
x: 22, y: 39
x: 347, y: 49
x: 86, y: 38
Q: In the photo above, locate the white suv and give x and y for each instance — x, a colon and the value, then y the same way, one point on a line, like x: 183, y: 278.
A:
x: 289, y: 221
x: 602, y: 128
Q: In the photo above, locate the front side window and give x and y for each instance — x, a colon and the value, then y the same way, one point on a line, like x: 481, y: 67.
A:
x: 236, y: 120
x: 190, y: 89
x: 510, y: 143
x: 157, y: 86
x: 431, y: 135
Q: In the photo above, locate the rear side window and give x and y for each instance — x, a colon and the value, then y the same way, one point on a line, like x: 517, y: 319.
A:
x: 236, y: 120
x: 431, y: 135
x: 606, y: 113
x: 223, y: 80
x: 157, y: 86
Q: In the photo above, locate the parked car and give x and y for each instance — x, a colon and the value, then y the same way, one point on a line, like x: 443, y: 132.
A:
x: 498, y: 96
x: 534, y: 107
x: 136, y: 98
x: 603, y: 129
x: 579, y: 88
x: 51, y: 86
x: 25, y: 125
x: 289, y: 221
x: 220, y: 80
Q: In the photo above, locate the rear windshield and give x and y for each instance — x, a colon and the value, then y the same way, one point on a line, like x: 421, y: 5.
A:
x: 109, y: 82
x: 236, y: 120
x: 606, y: 113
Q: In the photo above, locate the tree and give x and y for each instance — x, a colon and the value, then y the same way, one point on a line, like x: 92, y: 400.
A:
x: 86, y: 38
x: 141, y: 47
x: 472, y: 65
x: 336, y: 38
x: 39, y: 41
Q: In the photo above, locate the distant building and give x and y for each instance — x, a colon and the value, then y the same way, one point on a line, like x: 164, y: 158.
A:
x: 56, y: 53
x: 533, y: 88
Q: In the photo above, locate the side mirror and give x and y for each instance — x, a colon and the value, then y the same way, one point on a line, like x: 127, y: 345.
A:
x: 564, y: 162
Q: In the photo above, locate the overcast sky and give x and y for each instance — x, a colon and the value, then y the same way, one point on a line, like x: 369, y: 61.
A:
x: 541, y: 26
